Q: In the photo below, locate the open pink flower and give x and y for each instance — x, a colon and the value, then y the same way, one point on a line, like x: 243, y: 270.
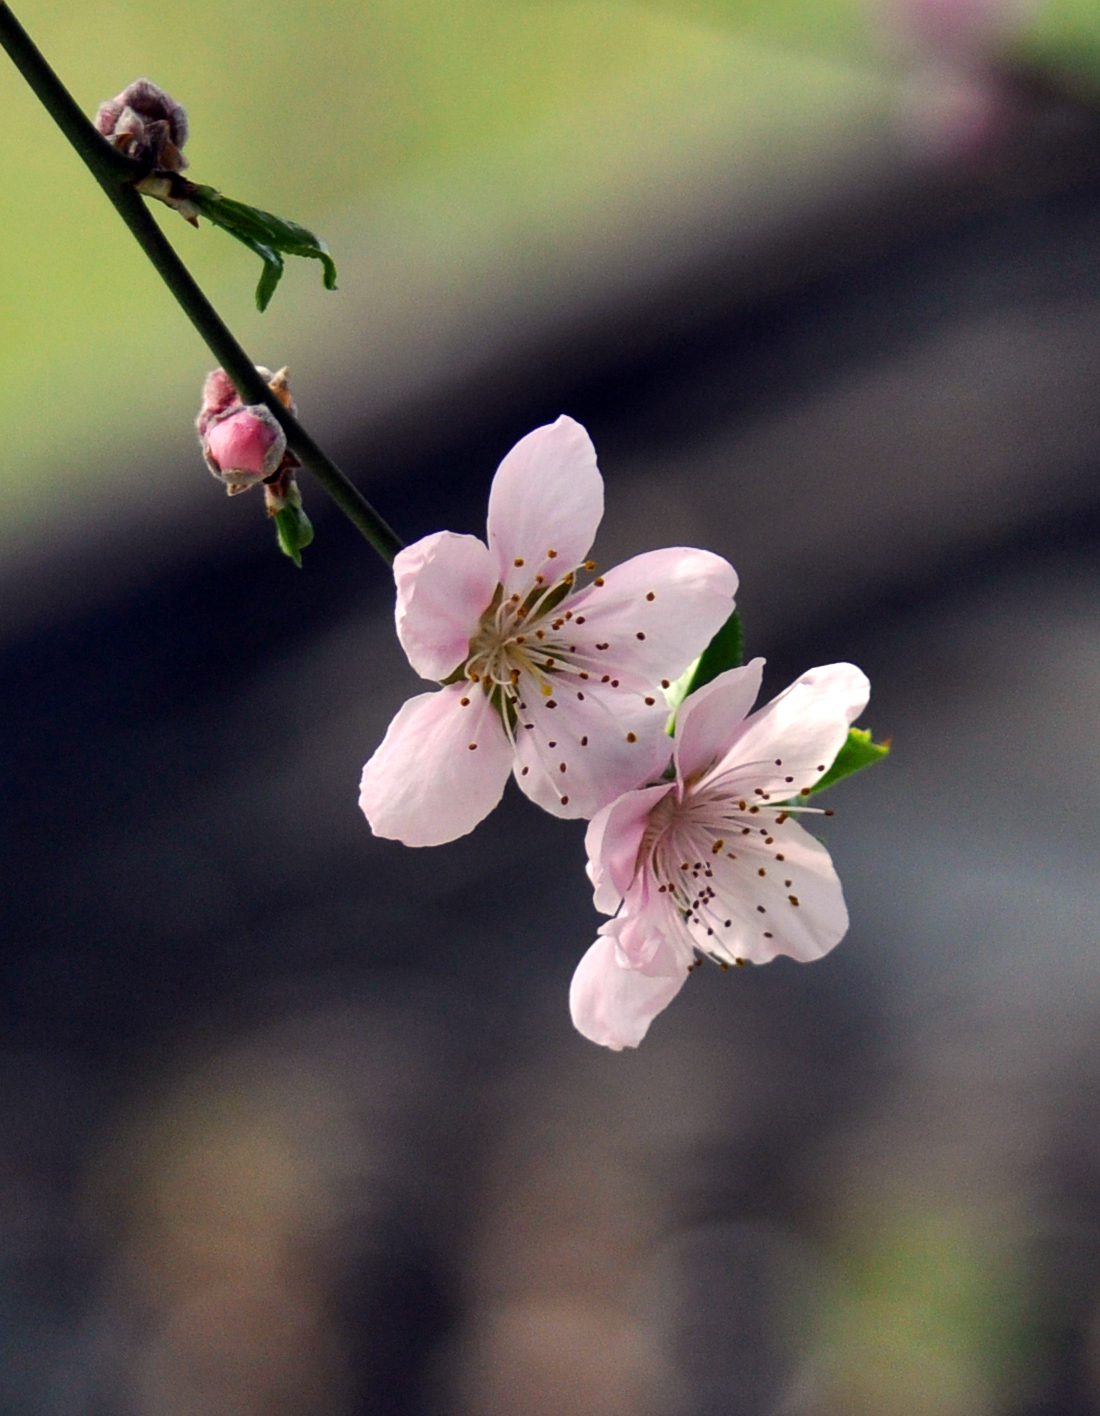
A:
x: 558, y: 683
x: 713, y: 863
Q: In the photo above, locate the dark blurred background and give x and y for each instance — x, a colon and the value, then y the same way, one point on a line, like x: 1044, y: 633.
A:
x: 294, y: 1120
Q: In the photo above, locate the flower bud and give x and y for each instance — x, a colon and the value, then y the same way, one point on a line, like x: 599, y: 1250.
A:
x: 146, y: 124
x: 244, y: 446
x: 959, y: 31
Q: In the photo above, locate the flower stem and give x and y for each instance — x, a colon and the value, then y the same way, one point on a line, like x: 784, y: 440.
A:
x: 116, y: 173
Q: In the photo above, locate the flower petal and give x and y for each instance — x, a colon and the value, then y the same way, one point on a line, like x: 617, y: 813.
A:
x: 613, y: 1005
x: 613, y: 840
x: 769, y: 900
x: 547, y: 496
x: 440, y: 769
x: 445, y: 583
x: 652, y: 615
x: 792, y: 741
x: 708, y: 717
x: 586, y: 745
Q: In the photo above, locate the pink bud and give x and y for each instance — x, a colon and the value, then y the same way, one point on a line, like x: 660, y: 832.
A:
x: 963, y: 31
x: 147, y: 124
x: 244, y: 446
x: 218, y: 396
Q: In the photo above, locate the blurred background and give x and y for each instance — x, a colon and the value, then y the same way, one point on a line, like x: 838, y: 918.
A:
x: 293, y: 1121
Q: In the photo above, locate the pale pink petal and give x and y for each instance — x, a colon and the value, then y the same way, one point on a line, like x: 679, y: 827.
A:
x: 765, y: 906
x: 547, y: 497
x: 653, y: 614
x: 792, y: 741
x: 445, y: 583
x: 440, y: 770
x: 585, y: 745
x: 613, y: 840
x: 613, y: 1005
x: 707, y: 718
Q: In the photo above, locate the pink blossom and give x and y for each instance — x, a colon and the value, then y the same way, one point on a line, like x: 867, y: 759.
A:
x: 245, y: 447
x: 559, y: 683
x: 712, y: 863
x: 242, y: 445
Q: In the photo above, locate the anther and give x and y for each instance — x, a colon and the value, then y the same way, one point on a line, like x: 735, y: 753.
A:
x: 582, y: 674
x: 614, y: 683
x: 606, y: 678
x: 651, y: 596
x: 551, y: 744
x: 714, y: 850
x: 793, y: 899
x: 665, y: 683
x: 550, y: 703
x: 473, y: 747
x: 788, y: 883
x: 780, y: 857
x: 783, y: 816
x: 788, y: 779
x: 565, y: 801
x: 761, y: 910
x: 639, y: 635
x: 590, y: 566
x: 805, y: 791
x: 603, y: 646
x: 465, y: 702
x: 584, y: 742
x: 650, y: 702
x: 561, y: 766
x: 761, y: 871
x: 598, y: 580
x: 632, y: 737
x: 721, y: 962
x: 779, y: 762
x: 580, y: 619
x: 830, y: 812
x: 580, y: 695
x: 551, y: 555
x: 518, y: 560
x: 525, y: 771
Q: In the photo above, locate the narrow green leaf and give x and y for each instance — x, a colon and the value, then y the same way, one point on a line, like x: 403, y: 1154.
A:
x: 293, y: 528
x: 270, y: 236
x: 724, y: 652
x: 858, y: 752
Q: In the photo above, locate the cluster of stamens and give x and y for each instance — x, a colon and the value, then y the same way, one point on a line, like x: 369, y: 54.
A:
x: 688, y: 838
x: 528, y: 645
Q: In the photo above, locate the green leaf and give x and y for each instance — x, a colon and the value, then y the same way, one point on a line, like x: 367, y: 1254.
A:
x: 270, y: 237
x: 723, y: 652
x: 292, y: 526
x: 858, y: 752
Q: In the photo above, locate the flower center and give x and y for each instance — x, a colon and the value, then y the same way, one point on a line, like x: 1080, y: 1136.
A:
x: 519, y: 638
